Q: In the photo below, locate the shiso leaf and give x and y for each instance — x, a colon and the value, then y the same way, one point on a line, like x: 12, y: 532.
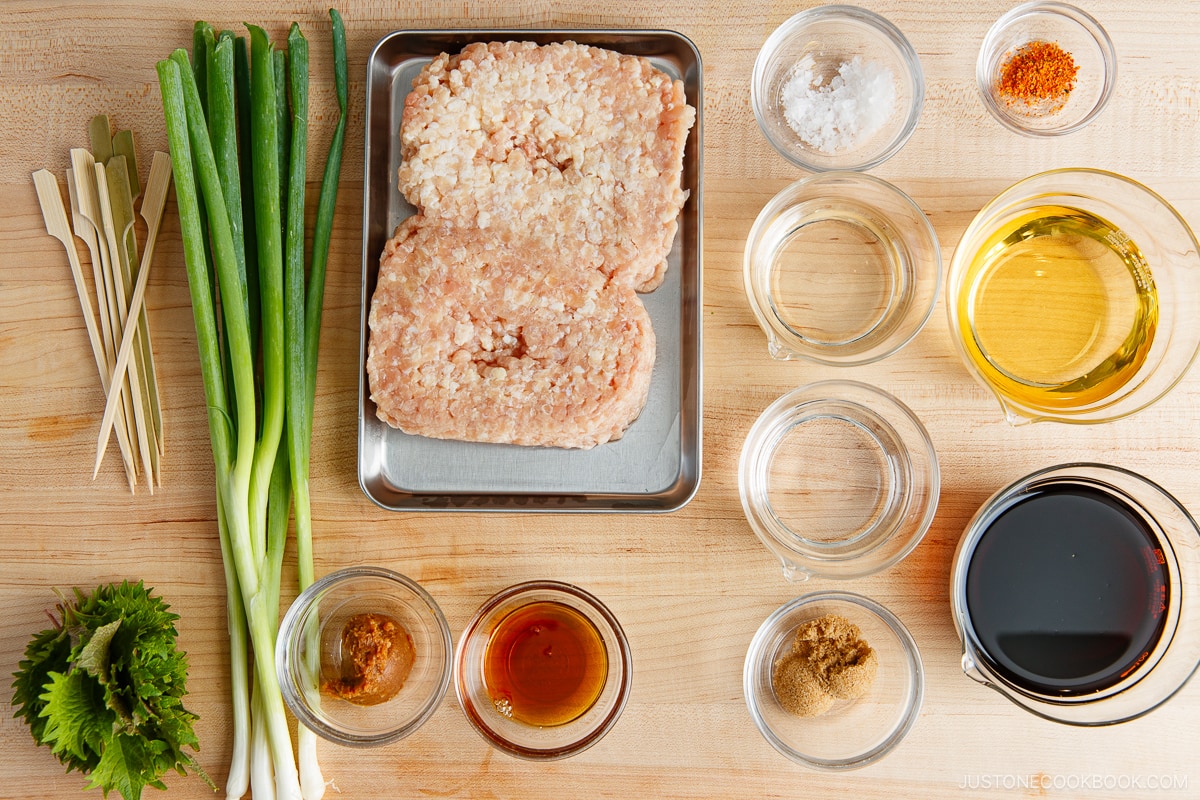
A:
x: 93, y: 657
x: 104, y: 690
x: 47, y: 652
x: 127, y: 766
x: 77, y: 720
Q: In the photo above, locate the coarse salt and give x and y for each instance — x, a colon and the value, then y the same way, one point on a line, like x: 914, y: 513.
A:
x: 851, y: 108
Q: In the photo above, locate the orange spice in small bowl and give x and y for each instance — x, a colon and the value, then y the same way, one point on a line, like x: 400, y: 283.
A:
x: 1046, y: 68
x: 1038, y: 74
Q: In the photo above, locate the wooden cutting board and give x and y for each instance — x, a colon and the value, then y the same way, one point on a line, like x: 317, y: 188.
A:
x: 690, y: 587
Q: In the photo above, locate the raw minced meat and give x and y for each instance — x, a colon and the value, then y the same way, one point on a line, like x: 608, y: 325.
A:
x: 490, y: 339
x: 556, y: 141
x: 548, y: 186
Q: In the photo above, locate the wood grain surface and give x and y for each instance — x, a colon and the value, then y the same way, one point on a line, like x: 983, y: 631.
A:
x: 690, y: 587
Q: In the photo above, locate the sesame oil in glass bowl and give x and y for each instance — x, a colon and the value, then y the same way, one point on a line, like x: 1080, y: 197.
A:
x: 543, y: 670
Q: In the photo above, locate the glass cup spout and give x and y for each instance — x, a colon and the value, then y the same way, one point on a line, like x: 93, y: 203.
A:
x: 793, y: 573
x: 971, y: 669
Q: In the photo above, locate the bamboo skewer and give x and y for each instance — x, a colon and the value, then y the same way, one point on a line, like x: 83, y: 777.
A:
x: 120, y: 196
x: 85, y: 229
x: 55, y: 217
x: 81, y: 180
x: 103, y: 185
x: 89, y: 206
x: 122, y: 145
x: 100, y: 134
x: 152, y: 209
x: 114, y: 247
x: 154, y: 201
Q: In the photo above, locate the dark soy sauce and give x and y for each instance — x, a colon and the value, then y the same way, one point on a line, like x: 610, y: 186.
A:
x: 1067, y: 591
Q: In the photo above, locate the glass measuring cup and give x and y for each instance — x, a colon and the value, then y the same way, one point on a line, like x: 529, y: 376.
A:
x: 1171, y: 536
x: 841, y: 268
x: 838, y: 479
x: 1080, y: 348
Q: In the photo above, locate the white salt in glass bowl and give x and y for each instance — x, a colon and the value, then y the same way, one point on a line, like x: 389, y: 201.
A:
x: 823, y: 39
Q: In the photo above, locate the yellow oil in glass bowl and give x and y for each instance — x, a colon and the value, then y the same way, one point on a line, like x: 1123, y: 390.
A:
x: 1058, y: 308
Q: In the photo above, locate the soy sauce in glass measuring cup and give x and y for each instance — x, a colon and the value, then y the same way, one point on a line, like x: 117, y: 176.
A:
x: 1076, y: 594
x: 1067, y: 590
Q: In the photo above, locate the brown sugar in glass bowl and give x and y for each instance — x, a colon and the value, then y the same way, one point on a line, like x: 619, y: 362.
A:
x: 829, y: 661
x: 851, y: 733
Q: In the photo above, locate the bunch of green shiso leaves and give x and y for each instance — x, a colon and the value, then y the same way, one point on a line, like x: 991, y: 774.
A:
x: 237, y: 124
x: 103, y: 689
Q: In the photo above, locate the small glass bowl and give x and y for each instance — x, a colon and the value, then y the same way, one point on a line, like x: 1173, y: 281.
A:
x: 521, y: 739
x: 853, y: 733
x: 830, y: 36
x: 838, y: 479
x: 309, y: 647
x: 841, y: 268
x: 1074, y: 31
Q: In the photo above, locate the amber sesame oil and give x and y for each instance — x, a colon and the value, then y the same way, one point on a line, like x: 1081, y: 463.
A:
x: 1058, y: 308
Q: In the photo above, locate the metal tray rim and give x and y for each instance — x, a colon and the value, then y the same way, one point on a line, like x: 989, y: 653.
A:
x: 684, y: 489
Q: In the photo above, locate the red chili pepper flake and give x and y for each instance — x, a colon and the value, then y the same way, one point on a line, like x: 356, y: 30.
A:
x: 1037, y: 74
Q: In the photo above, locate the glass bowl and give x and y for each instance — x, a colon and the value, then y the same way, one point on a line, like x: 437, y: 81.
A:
x: 1072, y: 297
x: 522, y: 702
x: 841, y: 268
x: 838, y: 479
x: 1064, y: 666
x: 309, y: 652
x: 812, y: 47
x: 1075, y: 32
x: 852, y: 733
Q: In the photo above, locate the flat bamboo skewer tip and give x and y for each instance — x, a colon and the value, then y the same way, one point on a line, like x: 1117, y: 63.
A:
x: 55, y: 216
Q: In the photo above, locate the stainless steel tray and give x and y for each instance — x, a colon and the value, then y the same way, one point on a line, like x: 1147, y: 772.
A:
x: 656, y: 465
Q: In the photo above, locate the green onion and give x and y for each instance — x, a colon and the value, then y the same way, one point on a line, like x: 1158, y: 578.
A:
x: 237, y: 480
x: 238, y: 133
x: 326, y: 204
x: 299, y: 438
x: 264, y: 145
x: 241, y: 77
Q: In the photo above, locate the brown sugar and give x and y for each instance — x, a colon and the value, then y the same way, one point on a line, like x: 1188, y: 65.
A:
x: 799, y: 690
x: 376, y: 657
x: 829, y: 661
x: 834, y: 648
